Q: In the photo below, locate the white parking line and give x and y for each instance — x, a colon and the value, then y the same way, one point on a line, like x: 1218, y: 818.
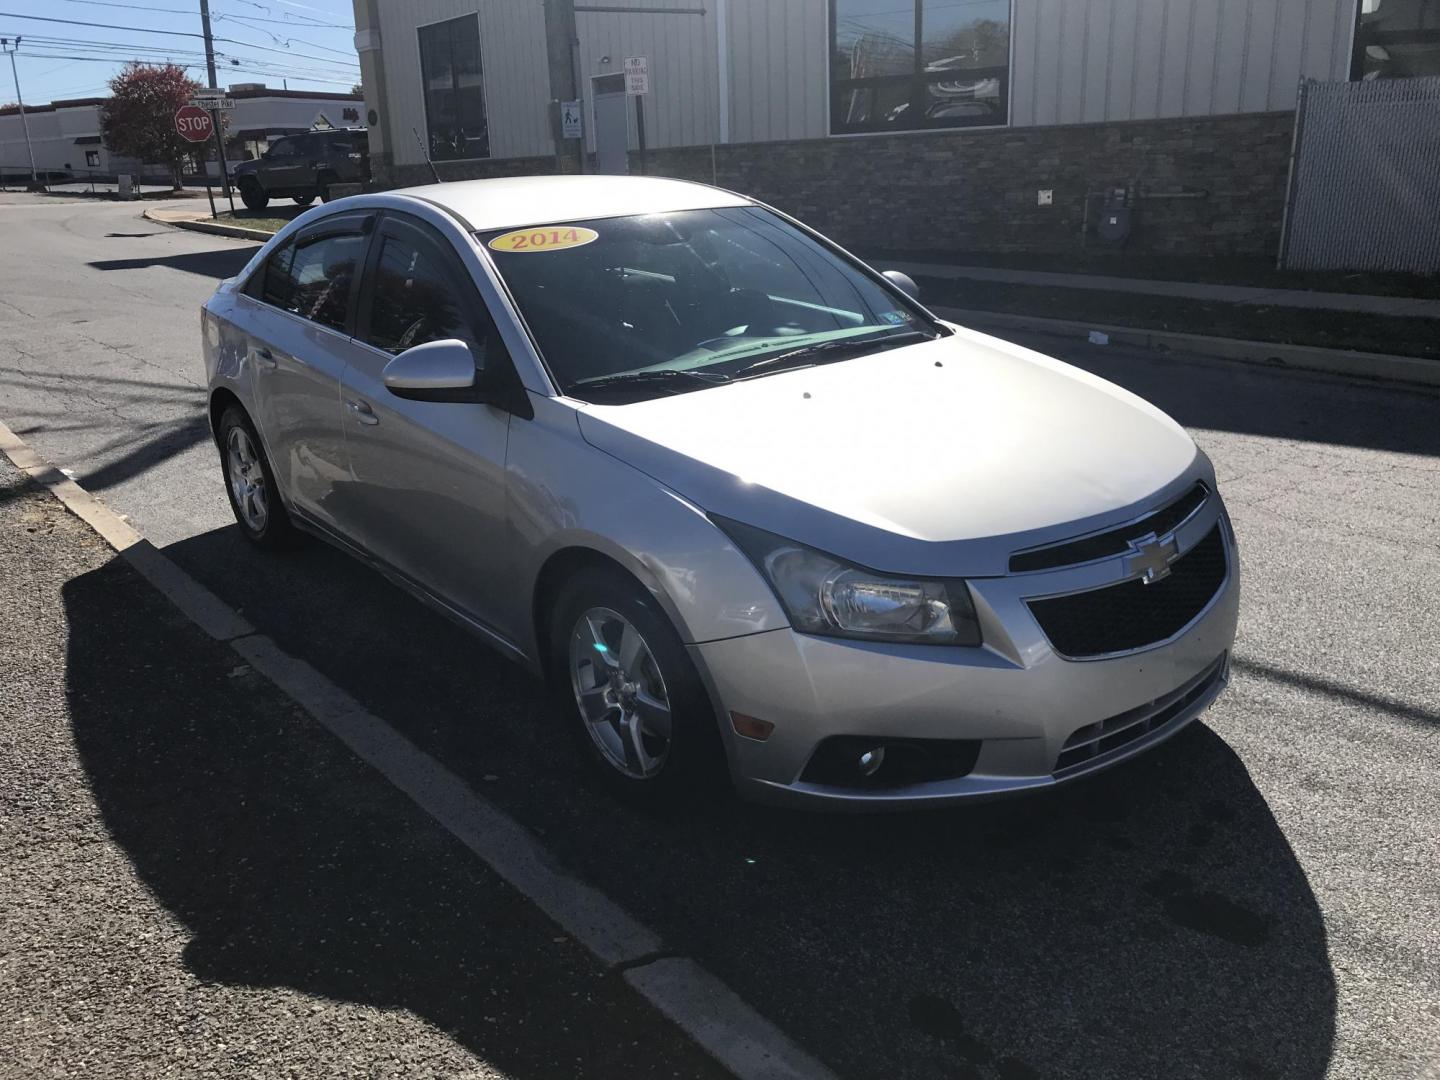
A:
x: 700, y: 1004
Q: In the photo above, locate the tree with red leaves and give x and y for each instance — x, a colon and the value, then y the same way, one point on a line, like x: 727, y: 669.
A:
x: 139, y: 119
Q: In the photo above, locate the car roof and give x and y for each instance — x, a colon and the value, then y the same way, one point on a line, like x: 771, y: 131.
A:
x: 515, y: 201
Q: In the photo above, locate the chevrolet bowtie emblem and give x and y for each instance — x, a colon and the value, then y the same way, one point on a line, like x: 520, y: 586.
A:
x: 1152, y: 558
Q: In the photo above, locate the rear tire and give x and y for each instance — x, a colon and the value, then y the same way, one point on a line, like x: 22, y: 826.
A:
x: 631, y: 697
x: 322, y: 185
x: 250, y: 483
x: 305, y: 200
x: 252, y: 195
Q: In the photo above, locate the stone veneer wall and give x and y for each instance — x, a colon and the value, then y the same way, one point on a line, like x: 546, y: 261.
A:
x: 977, y: 191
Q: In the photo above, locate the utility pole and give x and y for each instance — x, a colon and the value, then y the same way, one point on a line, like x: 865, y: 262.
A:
x: 24, y: 123
x: 561, y: 43
x: 215, y: 113
x: 209, y: 42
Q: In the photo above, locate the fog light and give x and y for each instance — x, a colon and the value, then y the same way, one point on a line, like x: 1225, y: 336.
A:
x: 751, y: 727
x: 871, y: 760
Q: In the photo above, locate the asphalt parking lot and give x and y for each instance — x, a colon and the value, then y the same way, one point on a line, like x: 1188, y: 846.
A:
x: 1258, y: 898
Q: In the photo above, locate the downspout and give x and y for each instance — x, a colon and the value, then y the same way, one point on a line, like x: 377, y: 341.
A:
x: 722, y: 51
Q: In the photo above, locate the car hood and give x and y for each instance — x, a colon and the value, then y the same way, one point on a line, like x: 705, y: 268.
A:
x: 939, y: 456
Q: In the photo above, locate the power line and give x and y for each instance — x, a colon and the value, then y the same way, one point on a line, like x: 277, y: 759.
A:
x: 168, y: 33
x: 307, y: 20
x: 186, y: 11
x: 118, y: 52
x: 245, y: 21
x: 197, y: 63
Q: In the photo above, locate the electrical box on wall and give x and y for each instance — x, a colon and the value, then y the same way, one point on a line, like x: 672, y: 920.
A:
x: 1045, y: 197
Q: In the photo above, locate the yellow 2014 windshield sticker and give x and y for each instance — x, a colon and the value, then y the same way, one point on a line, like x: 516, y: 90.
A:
x: 552, y: 238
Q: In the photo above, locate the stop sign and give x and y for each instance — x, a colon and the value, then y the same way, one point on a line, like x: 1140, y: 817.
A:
x: 193, y: 123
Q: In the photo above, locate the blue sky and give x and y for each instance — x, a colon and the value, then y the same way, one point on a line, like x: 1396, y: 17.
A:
x: 305, y: 44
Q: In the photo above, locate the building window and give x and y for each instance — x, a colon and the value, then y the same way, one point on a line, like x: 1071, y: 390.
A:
x: 905, y: 65
x: 453, y: 88
x: 1397, y: 39
x: 92, y: 159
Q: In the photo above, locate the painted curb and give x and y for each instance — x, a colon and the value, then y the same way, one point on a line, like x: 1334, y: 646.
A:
x: 1409, y: 372
x: 235, y: 231
x: 702, y: 1006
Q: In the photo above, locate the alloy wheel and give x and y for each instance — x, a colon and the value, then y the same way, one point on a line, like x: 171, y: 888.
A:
x: 247, y: 480
x: 620, y: 692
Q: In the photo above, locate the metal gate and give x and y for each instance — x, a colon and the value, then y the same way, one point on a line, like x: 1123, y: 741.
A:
x: 1365, y: 185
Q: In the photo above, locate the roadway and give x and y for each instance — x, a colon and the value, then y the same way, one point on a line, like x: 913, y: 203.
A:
x: 1258, y: 898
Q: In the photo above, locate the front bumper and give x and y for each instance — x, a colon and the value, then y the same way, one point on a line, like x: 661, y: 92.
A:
x: 1016, y: 696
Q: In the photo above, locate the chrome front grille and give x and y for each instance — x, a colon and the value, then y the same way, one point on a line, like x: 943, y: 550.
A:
x: 1094, y: 743
x: 1112, y: 542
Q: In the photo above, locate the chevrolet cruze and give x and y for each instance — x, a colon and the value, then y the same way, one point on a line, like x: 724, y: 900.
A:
x: 754, y: 512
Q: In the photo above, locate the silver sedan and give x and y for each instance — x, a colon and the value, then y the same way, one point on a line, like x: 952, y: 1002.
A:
x: 756, y: 515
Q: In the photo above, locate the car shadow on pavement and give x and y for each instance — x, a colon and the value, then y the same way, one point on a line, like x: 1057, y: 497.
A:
x: 293, y: 865
x: 219, y: 264
x: 1152, y: 921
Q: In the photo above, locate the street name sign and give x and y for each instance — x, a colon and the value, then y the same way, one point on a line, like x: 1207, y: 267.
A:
x: 193, y: 123
x: 637, y: 75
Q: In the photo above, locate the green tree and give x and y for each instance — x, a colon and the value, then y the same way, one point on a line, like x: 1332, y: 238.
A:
x: 138, y: 120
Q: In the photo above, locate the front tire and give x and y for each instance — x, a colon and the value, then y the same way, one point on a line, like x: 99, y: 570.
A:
x: 252, y: 195
x: 631, y: 696
x: 250, y: 483
x: 304, y: 200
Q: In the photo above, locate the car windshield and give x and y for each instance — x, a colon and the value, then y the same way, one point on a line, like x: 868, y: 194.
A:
x: 630, y: 308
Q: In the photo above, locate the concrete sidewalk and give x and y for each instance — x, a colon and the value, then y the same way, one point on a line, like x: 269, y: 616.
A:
x: 1189, y: 290
x: 199, y: 220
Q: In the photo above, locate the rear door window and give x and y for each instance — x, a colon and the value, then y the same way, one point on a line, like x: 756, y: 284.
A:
x: 315, y: 274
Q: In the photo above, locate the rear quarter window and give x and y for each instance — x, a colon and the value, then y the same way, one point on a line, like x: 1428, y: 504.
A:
x: 272, y: 283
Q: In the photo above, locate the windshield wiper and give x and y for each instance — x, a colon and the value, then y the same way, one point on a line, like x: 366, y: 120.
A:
x: 671, y: 380
x: 806, y: 352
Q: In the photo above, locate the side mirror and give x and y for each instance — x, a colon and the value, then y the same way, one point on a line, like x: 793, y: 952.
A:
x: 435, y: 371
x: 264, y: 155
x: 904, y: 282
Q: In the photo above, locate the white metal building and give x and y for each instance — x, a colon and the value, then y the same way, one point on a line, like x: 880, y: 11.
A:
x: 726, y: 71
x: 66, y: 136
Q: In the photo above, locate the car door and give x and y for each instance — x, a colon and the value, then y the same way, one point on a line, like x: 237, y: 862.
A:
x: 427, y: 487
x: 288, y: 166
x: 298, y: 310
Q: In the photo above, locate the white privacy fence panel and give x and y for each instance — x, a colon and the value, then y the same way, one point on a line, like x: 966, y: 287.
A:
x: 1365, y: 193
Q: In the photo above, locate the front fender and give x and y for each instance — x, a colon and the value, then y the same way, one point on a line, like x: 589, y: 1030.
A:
x: 565, y: 494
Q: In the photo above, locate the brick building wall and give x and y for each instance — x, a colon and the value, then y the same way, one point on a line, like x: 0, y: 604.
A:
x: 977, y: 191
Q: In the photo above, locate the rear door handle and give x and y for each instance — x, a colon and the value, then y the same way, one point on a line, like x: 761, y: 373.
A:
x: 363, y: 413
x: 265, y: 357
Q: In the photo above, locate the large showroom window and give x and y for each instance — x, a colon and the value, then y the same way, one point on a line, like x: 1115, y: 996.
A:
x: 454, y: 90
x: 904, y: 65
x: 1397, y: 39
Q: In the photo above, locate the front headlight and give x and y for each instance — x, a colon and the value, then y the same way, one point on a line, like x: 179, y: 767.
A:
x: 823, y: 595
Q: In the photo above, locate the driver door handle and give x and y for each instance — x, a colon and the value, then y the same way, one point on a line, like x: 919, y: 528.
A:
x: 363, y: 412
